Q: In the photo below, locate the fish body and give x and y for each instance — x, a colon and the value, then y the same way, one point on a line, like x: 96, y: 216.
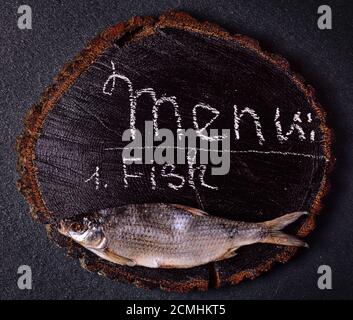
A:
x: 171, y: 236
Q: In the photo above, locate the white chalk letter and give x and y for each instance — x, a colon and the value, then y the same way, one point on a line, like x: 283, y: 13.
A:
x: 295, y: 126
x: 252, y: 113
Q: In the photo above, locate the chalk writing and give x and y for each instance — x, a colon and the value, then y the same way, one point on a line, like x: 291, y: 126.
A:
x: 96, y: 178
x: 171, y: 174
x: 237, y: 118
x: 283, y: 132
x: 199, y: 131
x: 134, y: 95
x: 296, y: 125
x: 128, y: 175
x: 283, y: 153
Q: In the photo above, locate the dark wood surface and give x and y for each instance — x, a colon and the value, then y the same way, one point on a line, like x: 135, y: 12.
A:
x: 73, y: 129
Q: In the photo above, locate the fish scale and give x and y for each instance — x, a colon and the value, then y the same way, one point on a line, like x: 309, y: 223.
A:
x: 171, y: 235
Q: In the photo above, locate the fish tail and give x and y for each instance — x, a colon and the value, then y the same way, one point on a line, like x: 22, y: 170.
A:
x: 282, y: 222
x: 281, y: 238
x: 276, y: 236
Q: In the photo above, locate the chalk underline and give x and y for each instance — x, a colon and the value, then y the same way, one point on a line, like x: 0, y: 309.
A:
x: 285, y: 153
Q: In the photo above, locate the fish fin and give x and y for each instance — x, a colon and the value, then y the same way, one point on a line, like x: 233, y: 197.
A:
x: 280, y: 238
x: 113, y: 257
x: 281, y: 222
x: 193, y: 211
x: 229, y: 254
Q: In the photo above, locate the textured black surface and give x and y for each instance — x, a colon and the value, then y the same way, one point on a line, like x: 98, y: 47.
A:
x: 29, y: 61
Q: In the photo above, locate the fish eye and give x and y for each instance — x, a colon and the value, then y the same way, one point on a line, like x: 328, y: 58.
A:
x: 75, y: 226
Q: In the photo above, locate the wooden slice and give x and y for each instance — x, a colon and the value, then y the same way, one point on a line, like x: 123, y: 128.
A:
x: 179, y: 73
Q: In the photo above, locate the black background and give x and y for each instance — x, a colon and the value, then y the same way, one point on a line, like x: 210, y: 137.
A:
x: 29, y: 59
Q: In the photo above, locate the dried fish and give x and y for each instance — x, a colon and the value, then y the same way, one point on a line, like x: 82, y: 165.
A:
x: 171, y: 235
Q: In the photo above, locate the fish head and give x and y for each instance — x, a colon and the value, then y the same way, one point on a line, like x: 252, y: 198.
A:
x: 86, y: 232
